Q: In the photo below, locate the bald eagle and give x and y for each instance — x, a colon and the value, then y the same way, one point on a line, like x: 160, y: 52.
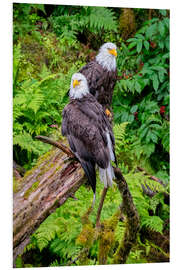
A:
x: 89, y: 132
x: 101, y: 75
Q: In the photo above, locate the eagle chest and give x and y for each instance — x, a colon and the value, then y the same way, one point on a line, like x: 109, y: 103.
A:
x: 106, y: 89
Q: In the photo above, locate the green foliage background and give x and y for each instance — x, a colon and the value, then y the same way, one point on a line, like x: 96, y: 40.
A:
x: 50, y: 44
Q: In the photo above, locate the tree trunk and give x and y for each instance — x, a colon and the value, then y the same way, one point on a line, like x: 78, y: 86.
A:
x: 47, y: 186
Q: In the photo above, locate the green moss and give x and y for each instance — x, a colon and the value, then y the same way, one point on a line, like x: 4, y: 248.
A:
x: 15, y: 185
x: 86, y: 237
x: 31, y: 189
x: 107, y: 237
x: 44, y: 157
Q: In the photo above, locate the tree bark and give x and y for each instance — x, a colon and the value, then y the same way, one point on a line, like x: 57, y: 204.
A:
x: 48, y: 185
x: 133, y: 220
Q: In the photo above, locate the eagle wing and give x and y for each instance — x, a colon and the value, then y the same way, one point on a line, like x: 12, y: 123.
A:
x: 101, y: 82
x: 86, y: 125
x: 94, y: 76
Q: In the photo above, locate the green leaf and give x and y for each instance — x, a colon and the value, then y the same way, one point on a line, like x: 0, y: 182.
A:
x: 151, y: 31
x: 155, y: 82
x: 161, y: 28
x: 131, y: 118
x: 149, y: 149
x: 132, y: 39
x: 139, y: 36
x: 40, y: 7
x: 134, y: 108
x: 131, y: 45
x: 162, y: 12
x: 161, y: 76
x: 153, y: 137
x: 139, y: 46
x: 146, y: 45
x: 124, y: 117
x: 137, y: 87
x: 143, y: 133
x: 159, y: 68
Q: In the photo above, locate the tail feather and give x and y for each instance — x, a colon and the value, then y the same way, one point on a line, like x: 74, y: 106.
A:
x: 89, y: 168
x: 107, y: 175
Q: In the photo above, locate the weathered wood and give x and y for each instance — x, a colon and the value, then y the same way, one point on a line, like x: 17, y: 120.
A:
x: 59, y: 145
x: 133, y: 220
x: 47, y: 186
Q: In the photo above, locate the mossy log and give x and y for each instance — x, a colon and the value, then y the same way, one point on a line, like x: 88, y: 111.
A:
x: 48, y: 185
x: 133, y: 220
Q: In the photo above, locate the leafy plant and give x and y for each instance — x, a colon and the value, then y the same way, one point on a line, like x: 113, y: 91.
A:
x: 92, y: 20
x: 142, y: 93
x: 37, y: 105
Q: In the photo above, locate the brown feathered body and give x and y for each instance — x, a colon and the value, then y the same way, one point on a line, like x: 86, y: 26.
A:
x: 101, y: 82
x: 89, y: 134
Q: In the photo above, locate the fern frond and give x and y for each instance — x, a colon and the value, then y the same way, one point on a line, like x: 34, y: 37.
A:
x: 119, y: 134
x: 25, y: 141
x: 16, y: 60
x: 154, y: 223
x: 102, y: 18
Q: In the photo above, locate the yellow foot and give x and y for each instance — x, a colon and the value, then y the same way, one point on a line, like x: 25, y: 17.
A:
x: 108, y: 113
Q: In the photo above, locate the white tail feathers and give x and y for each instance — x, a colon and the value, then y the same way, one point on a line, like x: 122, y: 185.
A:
x: 107, y: 175
x: 110, y: 147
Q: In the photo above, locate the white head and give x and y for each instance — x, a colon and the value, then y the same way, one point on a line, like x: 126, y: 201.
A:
x: 79, y: 87
x: 107, y: 56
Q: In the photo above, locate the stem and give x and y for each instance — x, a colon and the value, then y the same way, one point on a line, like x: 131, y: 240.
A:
x: 59, y: 145
x: 101, y: 206
x: 151, y: 176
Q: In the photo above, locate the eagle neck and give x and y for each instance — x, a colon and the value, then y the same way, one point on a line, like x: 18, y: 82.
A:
x: 107, y: 61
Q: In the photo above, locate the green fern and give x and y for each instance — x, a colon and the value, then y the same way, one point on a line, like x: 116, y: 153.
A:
x: 119, y: 134
x: 102, y: 18
x: 154, y: 223
x: 60, y: 230
x: 25, y: 141
x: 144, y: 203
x: 93, y: 19
x: 16, y: 61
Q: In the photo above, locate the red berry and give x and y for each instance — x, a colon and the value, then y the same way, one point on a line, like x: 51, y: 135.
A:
x: 162, y: 109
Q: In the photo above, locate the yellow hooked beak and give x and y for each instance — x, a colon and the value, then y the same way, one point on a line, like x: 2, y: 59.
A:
x: 75, y: 82
x: 113, y: 52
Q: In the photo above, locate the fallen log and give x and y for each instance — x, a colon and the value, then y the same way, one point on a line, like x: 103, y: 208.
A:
x: 48, y: 185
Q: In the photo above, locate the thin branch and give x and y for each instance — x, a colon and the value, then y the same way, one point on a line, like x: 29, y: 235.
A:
x: 103, y: 195
x: 146, y: 189
x: 151, y: 176
x: 59, y: 145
